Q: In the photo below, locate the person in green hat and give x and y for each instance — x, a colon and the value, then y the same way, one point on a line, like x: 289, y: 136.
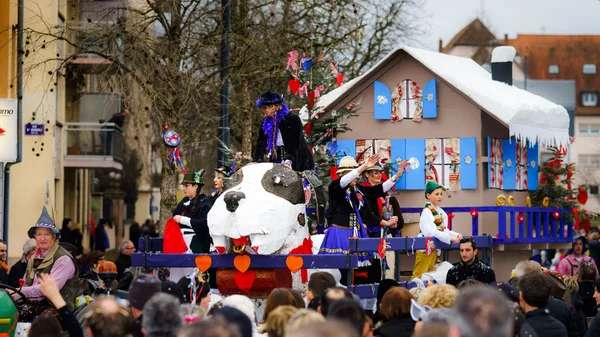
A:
x: 190, y: 214
x: 434, y: 224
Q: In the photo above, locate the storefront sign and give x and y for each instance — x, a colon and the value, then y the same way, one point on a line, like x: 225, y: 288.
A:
x: 8, y: 129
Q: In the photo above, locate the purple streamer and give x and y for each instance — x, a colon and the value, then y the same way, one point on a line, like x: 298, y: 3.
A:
x: 269, y: 123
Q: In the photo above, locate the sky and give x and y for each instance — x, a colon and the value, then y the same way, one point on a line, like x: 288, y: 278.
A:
x: 446, y: 18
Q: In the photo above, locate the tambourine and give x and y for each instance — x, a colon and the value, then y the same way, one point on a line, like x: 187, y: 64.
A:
x: 511, y: 200
x: 501, y: 200
x: 546, y: 202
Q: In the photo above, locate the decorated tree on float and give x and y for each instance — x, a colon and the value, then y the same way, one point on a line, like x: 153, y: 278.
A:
x: 555, y: 190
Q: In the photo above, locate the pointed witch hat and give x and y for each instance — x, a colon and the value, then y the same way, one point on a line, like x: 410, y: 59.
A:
x: 45, y: 221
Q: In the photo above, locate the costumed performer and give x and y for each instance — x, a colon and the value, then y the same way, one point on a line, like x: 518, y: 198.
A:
x: 433, y: 223
x: 190, y: 214
x: 383, y: 208
x: 281, y: 135
x: 349, y: 213
x: 220, y: 174
x: 49, y: 258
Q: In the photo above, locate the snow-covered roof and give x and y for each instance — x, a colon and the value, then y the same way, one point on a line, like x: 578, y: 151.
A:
x: 528, y: 116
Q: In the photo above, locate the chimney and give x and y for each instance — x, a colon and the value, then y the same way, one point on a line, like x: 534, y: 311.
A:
x: 440, y: 46
x: 506, y: 39
x: 502, y: 59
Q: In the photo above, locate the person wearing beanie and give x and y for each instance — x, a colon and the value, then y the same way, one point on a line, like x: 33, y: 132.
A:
x: 143, y: 287
x: 433, y: 223
x: 17, y: 271
x: 281, y: 135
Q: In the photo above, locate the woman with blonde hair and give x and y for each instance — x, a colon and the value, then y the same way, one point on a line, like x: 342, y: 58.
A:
x: 438, y: 296
x: 303, y: 318
x: 277, y: 321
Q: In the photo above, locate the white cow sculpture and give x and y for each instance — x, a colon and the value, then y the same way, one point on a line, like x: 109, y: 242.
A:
x: 262, y: 211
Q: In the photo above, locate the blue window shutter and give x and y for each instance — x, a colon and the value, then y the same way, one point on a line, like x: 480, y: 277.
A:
x: 468, y: 163
x: 430, y: 100
x: 399, y: 152
x: 532, y: 170
x: 509, y: 156
x: 382, y: 101
x: 345, y: 148
x: 489, y: 152
x: 415, y: 178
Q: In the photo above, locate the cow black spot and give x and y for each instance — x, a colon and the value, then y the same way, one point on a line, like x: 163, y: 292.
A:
x: 284, y: 183
x: 301, y: 219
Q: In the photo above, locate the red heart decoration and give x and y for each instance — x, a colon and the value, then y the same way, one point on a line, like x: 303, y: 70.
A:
x: 340, y: 79
x: 520, y: 218
x: 244, y: 281
x: 294, y: 85
x: 450, y: 217
x: 474, y: 213
x: 556, y: 215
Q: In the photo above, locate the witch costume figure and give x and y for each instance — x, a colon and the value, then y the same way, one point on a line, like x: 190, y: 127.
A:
x: 281, y: 135
x: 190, y: 214
x: 349, y: 213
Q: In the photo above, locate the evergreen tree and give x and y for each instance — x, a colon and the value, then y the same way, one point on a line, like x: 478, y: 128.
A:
x: 555, y: 188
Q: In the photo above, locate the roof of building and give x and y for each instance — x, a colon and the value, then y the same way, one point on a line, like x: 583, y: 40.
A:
x: 527, y: 116
x: 561, y: 92
x: 474, y: 34
x: 568, y: 52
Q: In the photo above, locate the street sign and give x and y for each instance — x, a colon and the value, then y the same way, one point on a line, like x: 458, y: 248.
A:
x: 8, y: 125
x: 34, y: 129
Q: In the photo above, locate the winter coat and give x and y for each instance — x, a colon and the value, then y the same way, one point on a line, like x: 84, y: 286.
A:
x: 586, y: 291
x: 478, y: 271
x: 403, y: 326
x: 544, y: 324
x: 560, y: 310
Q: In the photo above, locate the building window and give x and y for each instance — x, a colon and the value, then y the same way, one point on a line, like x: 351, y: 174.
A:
x: 589, y: 160
x: 589, y: 69
x: 589, y: 129
x: 553, y: 69
x: 593, y: 189
x: 589, y: 98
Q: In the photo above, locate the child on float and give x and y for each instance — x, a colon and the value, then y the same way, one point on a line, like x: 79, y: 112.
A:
x: 349, y: 212
x: 433, y: 224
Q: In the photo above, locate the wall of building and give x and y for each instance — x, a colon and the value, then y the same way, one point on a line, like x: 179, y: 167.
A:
x: 33, y: 182
x: 586, y: 145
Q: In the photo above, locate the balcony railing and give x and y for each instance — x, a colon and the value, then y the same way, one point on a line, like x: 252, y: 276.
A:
x: 93, y: 145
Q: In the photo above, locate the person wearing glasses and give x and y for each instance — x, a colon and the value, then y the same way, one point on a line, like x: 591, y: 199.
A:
x: 281, y: 136
x: 124, y: 260
x: 469, y: 267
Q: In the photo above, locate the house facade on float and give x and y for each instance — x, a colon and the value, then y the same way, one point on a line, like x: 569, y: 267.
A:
x: 477, y: 136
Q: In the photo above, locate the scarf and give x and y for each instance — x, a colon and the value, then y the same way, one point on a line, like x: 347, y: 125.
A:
x: 438, y: 220
x: 271, y: 128
x: 47, y: 261
x: 4, y: 266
